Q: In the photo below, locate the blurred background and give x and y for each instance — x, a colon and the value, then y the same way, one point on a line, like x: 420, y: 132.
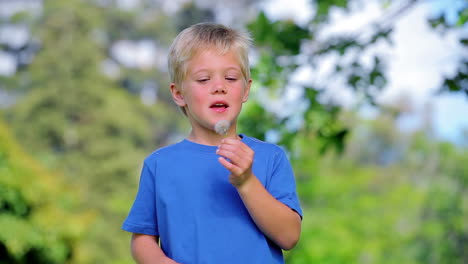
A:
x: 369, y: 98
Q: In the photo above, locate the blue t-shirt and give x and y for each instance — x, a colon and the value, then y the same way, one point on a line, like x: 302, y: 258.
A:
x: 186, y: 199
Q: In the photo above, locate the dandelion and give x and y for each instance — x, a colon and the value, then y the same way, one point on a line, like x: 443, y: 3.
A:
x: 222, y: 127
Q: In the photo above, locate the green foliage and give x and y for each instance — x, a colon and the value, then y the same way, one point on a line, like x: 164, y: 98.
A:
x: 74, y: 119
x: 279, y: 46
x: 323, y: 8
x: 191, y: 14
x: 279, y: 37
x: 258, y: 120
x: 389, y: 198
x: 410, y: 209
x: 40, y: 219
x: 458, y: 82
x: 444, y: 231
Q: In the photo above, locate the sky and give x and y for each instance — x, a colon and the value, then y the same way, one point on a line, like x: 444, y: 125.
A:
x: 417, y: 62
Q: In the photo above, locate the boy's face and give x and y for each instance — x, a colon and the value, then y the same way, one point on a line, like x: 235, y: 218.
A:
x: 214, y: 89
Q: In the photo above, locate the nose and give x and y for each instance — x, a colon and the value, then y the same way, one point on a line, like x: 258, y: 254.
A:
x: 219, y: 87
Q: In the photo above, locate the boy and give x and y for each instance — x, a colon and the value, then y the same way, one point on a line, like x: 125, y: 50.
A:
x: 213, y: 197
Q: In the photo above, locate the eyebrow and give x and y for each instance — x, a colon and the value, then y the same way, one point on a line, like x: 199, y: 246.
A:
x: 226, y: 69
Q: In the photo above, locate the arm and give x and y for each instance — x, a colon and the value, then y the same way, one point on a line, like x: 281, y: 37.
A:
x: 276, y: 220
x: 145, y: 250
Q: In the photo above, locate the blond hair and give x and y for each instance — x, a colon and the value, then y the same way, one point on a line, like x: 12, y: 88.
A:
x: 205, y: 36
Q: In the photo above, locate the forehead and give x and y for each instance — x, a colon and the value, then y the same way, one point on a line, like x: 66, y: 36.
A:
x: 214, y: 59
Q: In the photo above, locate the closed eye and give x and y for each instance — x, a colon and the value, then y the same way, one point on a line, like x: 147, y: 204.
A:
x: 231, y: 78
x: 203, y: 80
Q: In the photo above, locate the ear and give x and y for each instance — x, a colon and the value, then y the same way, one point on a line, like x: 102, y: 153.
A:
x: 247, y: 91
x: 177, y: 95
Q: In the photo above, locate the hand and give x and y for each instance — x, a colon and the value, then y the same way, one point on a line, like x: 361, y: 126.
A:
x: 237, y: 157
x: 167, y: 260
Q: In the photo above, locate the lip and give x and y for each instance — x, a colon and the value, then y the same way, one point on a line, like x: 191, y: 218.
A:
x: 219, y: 109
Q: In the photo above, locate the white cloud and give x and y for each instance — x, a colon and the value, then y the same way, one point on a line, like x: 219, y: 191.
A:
x: 141, y: 54
x: 300, y: 11
x: 128, y: 4
x: 352, y: 22
x: 420, y: 57
x: 15, y: 36
x: 417, y: 61
x: 7, y: 64
x: 12, y: 7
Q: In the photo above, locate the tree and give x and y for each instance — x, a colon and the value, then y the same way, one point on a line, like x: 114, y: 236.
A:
x: 442, y: 23
x: 358, y: 209
x: 283, y: 46
x: 40, y: 216
x: 74, y: 119
x: 93, y: 126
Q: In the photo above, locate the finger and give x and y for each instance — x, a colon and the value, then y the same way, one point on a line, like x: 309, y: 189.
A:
x: 238, y: 155
x: 230, y: 140
x: 226, y: 147
x: 232, y: 156
x: 239, y: 167
x: 232, y: 145
x: 234, y: 142
x: 229, y: 166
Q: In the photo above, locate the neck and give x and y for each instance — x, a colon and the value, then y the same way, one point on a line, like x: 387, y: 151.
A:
x: 210, y: 137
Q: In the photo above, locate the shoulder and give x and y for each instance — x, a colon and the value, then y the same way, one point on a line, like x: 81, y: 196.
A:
x: 167, y: 152
x: 263, y: 147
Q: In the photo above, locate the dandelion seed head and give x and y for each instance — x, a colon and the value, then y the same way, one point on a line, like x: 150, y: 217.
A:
x: 222, y: 127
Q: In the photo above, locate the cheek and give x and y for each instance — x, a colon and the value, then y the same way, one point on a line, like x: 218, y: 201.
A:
x: 241, y: 94
x: 196, y: 98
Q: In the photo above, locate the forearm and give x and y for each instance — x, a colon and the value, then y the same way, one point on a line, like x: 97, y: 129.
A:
x: 145, y: 250
x: 276, y: 220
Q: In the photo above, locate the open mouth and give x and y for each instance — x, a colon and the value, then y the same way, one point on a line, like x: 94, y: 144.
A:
x: 219, y: 105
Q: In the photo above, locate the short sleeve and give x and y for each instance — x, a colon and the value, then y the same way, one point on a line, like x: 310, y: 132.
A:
x: 282, y: 184
x: 142, y: 217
